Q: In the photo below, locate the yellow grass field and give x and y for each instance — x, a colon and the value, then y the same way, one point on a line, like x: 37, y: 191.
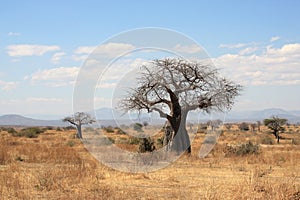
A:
x: 55, y: 165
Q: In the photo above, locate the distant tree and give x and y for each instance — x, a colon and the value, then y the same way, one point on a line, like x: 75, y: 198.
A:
x: 79, y: 119
x: 228, y: 126
x: 214, y: 123
x: 174, y: 87
x: 253, y: 127
x: 244, y: 126
x: 276, y: 125
x: 258, y: 126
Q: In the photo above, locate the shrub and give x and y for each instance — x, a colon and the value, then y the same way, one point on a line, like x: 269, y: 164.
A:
x: 69, y: 128
x: 120, y: 131
x: 146, y: 145
x: 160, y: 141
x: 242, y: 150
x: 109, y: 129
x: 138, y: 127
x: 11, y: 131
x: 31, y: 132
x: 48, y: 128
x: 70, y: 143
x: 244, y: 126
x: 134, y: 140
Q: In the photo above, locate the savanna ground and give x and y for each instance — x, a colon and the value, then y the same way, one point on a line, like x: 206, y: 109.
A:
x: 55, y: 165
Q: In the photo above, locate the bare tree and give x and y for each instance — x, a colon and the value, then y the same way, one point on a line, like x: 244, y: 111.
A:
x: 173, y: 87
x: 79, y: 119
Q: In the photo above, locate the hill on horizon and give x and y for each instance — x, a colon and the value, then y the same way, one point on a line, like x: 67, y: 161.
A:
x: 106, y: 117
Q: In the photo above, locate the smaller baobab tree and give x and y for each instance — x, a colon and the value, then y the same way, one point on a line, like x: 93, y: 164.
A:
x: 276, y: 125
x: 79, y: 119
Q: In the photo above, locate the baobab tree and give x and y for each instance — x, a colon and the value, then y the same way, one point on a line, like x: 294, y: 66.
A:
x: 79, y: 119
x: 172, y: 87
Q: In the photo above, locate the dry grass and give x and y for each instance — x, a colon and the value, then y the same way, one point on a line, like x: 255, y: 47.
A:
x: 56, y: 166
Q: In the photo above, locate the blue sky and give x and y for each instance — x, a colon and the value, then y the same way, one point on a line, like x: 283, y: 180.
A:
x: 43, y: 45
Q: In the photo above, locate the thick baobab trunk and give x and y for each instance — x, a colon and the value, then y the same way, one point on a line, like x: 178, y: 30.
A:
x: 79, y: 134
x: 277, y: 136
x: 181, y: 141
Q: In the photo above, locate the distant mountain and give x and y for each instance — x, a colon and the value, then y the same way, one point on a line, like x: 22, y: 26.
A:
x: 233, y: 116
x: 109, y: 116
x: 18, y: 120
x: 292, y: 116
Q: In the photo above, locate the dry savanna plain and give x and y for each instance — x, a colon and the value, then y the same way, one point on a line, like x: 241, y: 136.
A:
x: 50, y: 163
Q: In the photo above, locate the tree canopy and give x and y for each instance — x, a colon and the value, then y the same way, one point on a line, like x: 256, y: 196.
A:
x: 276, y: 125
x: 79, y: 119
x: 173, y: 87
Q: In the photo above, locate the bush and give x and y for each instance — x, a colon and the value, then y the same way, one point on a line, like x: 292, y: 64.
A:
x: 120, y: 132
x: 138, y: 127
x: 70, y: 143
x: 69, y: 128
x: 244, y: 126
x: 267, y: 140
x: 146, y: 145
x: 31, y: 132
x: 160, y: 141
x: 11, y: 131
x: 109, y: 129
x: 48, y: 128
x: 242, y: 150
x: 134, y: 140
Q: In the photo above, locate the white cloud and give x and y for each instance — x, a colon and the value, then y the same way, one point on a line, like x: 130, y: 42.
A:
x: 273, y: 39
x: 233, y: 46
x: 13, y: 34
x: 109, y: 50
x: 248, y: 50
x: 43, y: 100
x: 7, y: 86
x: 55, y: 77
x: 84, y: 50
x: 57, y: 57
x: 30, y: 50
x: 190, y: 49
x: 80, y: 58
x: 272, y: 66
